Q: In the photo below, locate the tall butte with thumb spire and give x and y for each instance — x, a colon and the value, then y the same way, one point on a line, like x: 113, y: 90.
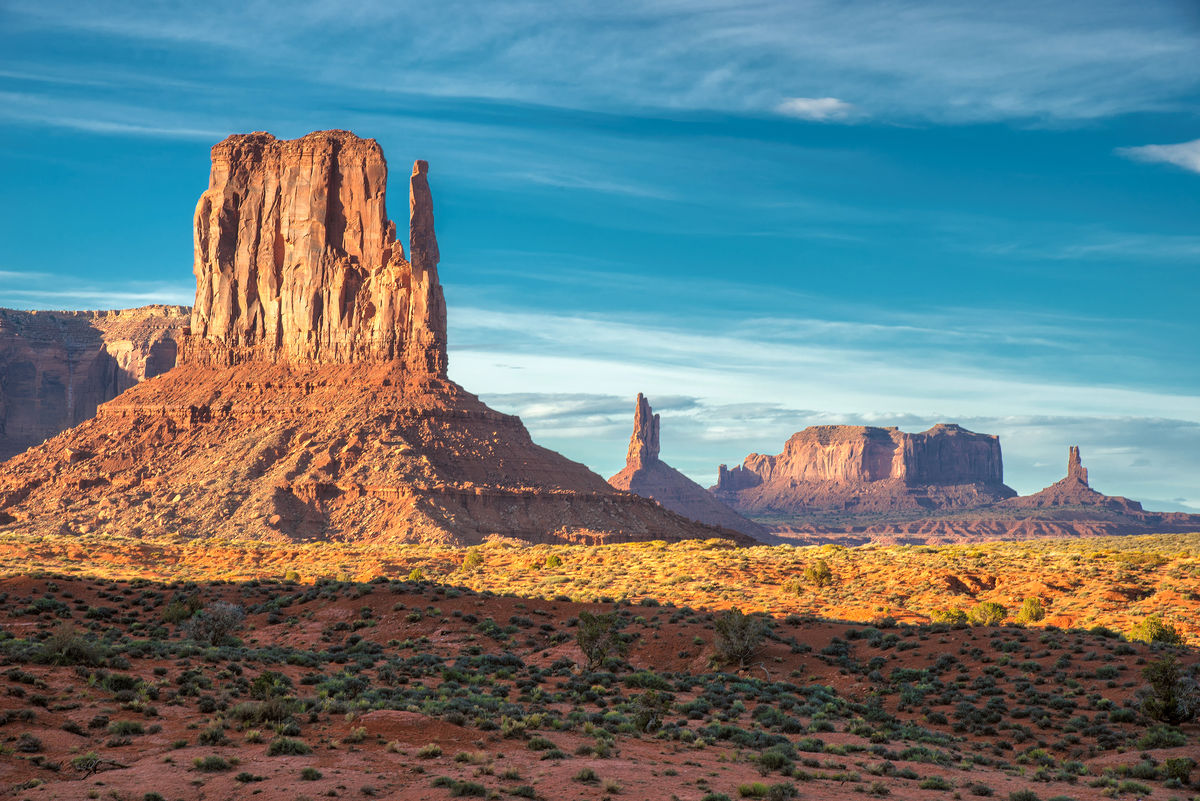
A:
x: 311, y: 397
x: 648, y: 476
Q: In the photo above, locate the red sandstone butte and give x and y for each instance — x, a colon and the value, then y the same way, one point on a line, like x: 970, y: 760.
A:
x: 647, y: 475
x: 311, y: 400
x: 868, y: 469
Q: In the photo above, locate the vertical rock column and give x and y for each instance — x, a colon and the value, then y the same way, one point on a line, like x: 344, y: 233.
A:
x: 426, y: 341
x: 643, y: 444
x: 1075, y: 468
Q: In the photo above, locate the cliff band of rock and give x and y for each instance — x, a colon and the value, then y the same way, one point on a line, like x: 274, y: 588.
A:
x: 296, y: 260
x: 646, y: 475
x: 865, y: 468
x: 57, y: 367
x: 311, y: 399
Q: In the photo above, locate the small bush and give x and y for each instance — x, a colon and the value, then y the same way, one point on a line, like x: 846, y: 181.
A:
x: 935, y: 783
x: 1153, y: 629
x: 126, y: 727
x: 986, y: 613
x: 738, y: 637
x: 472, y: 561
x: 956, y: 617
x: 211, y: 764
x: 430, y: 751
x: 310, y: 774
x: 1172, y: 696
x: 818, y: 573
x: 287, y: 746
x: 1031, y: 611
x: 66, y: 645
x: 215, y: 623
x: 599, y: 637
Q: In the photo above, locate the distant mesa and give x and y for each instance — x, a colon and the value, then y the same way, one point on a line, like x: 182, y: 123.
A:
x: 647, y: 475
x: 868, y: 469
x: 310, y: 400
x: 56, y: 367
x: 1073, y: 490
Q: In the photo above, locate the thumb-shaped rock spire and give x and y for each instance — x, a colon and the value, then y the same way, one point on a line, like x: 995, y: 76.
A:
x: 426, y: 341
x: 1075, y: 468
x: 643, y: 445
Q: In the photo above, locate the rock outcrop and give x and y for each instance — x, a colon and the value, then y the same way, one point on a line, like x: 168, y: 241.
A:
x: 311, y: 399
x: 1073, y: 490
x: 648, y: 476
x: 868, y: 469
x: 57, y: 367
x: 296, y: 260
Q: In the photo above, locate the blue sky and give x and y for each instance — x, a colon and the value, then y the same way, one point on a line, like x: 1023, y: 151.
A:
x: 764, y: 215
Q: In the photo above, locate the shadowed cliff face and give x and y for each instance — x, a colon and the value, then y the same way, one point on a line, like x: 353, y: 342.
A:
x: 57, y: 367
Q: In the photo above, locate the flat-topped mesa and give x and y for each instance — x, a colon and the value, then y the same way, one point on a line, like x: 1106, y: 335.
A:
x: 297, y: 262
x: 1075, y: 468
x: 869, y: 468
x: 643, y: 443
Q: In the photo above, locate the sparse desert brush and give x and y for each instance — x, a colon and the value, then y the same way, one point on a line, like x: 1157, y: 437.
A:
x: 987, y: 613
x: 67, y: 645
x: 738, y: 637
x: 1032, y: 611
x: 1173, y: 696
x: 214, y: 624
x: 287, y: 746
x: 955, y: 617
x: 599, y: 637
x: 1154, y: 629
x: 211, y: 764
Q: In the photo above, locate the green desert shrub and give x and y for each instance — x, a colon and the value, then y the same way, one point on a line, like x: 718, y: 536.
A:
x: 1172, y: 696
x: 211, y: 764
x: 1153, y: 629
x: 1032, y: 611
x: 215, y: 623
x: 599, y: 637
x: 955, y: 617
x: 738, y: 637
x: 66, y: 645
x: 986, y: 613
x: 287, y: 746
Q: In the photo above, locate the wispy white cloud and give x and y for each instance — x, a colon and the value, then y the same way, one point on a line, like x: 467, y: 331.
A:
x: 1184, y: 154
x: 938, y: 60
x: 101, y: 117
x: 817, y: 109
x: 37, y: 290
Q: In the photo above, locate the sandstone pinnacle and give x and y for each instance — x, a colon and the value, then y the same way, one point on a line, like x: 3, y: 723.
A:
x: 1075, y: 468
x: 643, y: 444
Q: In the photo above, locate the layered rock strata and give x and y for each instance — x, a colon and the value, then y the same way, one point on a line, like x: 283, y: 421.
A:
x: 311, y: 399
x: 868, y: 469
x: 57, y: 367
x: 645, y: 474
